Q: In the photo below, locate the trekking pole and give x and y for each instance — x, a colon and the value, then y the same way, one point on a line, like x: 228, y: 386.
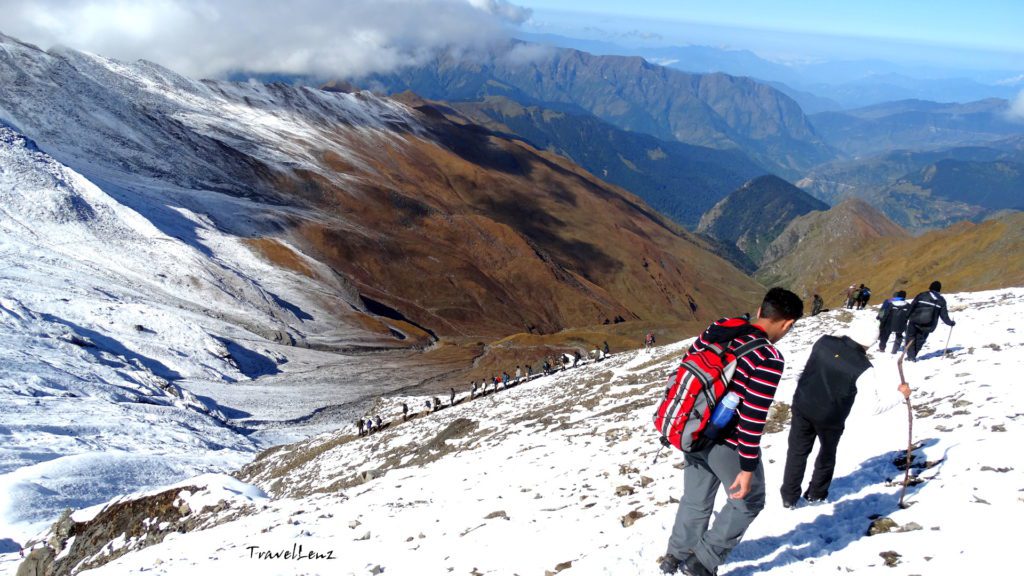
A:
x: 945, y: 351
x: 910, y: 426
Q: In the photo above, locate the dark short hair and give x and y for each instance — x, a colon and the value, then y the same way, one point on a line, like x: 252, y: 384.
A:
x: 781, y: 304
x: 936, y: 286
x: 902, y: 294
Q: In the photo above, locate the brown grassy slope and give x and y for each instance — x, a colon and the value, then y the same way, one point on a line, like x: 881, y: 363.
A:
x: 964, y: 257
x: 808, y: 254
x: 470, y: 235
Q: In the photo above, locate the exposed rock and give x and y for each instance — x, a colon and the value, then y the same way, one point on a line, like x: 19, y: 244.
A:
x: 881, y: 526
x: 891, y: 558
x: 625, y: 491
x: 497, y: 514
x: 631, y: 518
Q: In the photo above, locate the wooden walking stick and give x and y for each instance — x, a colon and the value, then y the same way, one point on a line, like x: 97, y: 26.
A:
x: 910, y: 426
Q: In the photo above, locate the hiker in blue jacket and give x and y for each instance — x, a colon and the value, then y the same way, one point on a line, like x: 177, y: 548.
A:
x: 892, y: 319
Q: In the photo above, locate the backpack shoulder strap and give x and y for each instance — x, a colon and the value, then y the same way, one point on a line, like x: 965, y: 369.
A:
x: 755, y: 344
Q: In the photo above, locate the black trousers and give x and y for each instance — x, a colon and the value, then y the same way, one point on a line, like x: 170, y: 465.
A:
x: 802, y: 433
x: 916, y: 337
x: 883, y: 337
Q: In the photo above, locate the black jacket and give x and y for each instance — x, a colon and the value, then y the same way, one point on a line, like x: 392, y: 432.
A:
x: 926, y: 309
x: 828, y: 385
x: 893, y: 315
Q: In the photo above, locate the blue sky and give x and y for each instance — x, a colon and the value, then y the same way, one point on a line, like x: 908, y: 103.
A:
x: 973, y: 31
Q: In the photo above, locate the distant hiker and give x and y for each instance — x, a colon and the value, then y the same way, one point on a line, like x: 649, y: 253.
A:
x: 851, y: 295
x: 369, y: 425
x: 863, y: 295
x: 824, y: 397
x: 428, y: 405
x: 576, y: 358
x: 605, y: 348
x: 692, y: 303
x: 437, y: 403
x: 923, y: 317
x: 817, y: 305
x: 547, y: 367
x: 648, y: 340
x: 359, y: 425
x: 472, y: 391
x: 451, y: 397
x: 734, y: 459
x: 378, y: 423
x: 405, y: 411
x: 494, y: 380
x: 519, y: 374
x: 505, y: 378
x: 746, y: 316
x: 892, y: 319
x: 529, y: 371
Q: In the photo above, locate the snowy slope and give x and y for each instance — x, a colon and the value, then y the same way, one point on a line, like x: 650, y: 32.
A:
x: 142, y: 339
x: 556, y: 476
x: 107, y: 322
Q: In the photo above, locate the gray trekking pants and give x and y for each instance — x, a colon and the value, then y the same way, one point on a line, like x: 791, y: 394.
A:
x: 705, y: 472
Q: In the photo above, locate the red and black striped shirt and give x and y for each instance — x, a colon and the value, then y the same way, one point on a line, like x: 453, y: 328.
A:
x: 757, y: 377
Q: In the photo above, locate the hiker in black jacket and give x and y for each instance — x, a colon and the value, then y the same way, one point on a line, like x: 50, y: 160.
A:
x: 892, y: 319
x: 824, y: 397
x: 923, y: 317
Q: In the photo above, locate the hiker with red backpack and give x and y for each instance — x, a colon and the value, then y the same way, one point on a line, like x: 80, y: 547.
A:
x: 732, y: 359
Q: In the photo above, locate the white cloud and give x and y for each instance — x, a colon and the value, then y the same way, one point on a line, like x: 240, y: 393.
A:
x: 320, y: 37
x: 1016, y: 110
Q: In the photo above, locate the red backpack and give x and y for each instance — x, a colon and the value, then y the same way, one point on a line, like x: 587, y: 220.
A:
x: 702, y: 380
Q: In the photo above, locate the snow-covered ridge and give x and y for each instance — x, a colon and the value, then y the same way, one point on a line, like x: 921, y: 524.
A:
x: 556, y: 475
x: 132, y: 119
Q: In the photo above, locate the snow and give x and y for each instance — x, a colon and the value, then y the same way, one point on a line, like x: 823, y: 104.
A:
x: 121, y: 341
x: 143, y: 341
x: 535, y: 484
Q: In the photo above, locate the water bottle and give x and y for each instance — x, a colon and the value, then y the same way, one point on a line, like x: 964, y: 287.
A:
x: 723, y: 414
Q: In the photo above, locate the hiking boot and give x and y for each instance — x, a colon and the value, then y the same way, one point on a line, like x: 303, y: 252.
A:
x: 788, y: 505
x: 692, y: 567
x: 669, y: 564
x: 814, y: 499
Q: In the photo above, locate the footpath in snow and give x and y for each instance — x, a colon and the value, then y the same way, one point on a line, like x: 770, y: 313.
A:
x: 556, y: 476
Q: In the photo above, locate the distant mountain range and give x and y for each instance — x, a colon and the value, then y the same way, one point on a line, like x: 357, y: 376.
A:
x: 917, y: 124
x: 714, y: 110
x: 929, y: 189
x: 752, y: 217
x: 679, y: 180
x: 819, y: 86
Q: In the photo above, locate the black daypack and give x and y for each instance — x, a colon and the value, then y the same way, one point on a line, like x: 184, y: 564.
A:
x: 925, y: 311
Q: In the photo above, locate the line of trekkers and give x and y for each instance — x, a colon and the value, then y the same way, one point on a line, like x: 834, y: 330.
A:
x: 497, y: 382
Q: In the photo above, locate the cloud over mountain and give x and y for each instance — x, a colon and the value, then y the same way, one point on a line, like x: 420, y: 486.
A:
x: 319, y: 37
x: 1016, y: 111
